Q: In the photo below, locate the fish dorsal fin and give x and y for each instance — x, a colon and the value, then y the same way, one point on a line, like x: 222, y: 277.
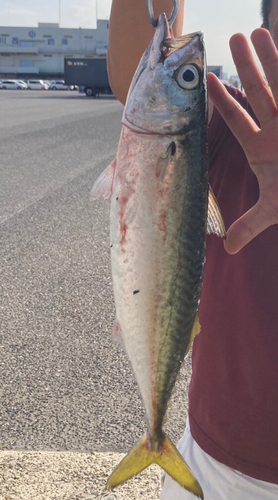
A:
x: 103, y: 186
x: 196, y: 328
x: 215, y: 223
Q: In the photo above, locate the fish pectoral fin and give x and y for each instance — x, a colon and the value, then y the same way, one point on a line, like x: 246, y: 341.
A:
x: 168, y: 457
x: 103, y: 186
x: 215, y: 222
x: 164, y: 161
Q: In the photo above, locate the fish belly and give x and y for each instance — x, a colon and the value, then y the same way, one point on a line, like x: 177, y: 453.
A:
x: 158, y: 220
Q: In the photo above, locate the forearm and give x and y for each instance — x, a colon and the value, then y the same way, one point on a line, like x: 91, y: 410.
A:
x: 129, y: 35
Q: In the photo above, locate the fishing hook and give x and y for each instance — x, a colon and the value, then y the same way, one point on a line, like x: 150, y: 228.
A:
x: 172, y: 17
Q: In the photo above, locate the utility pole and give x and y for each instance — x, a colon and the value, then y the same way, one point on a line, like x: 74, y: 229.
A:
x: 96, y: 13
x: 60, y: 13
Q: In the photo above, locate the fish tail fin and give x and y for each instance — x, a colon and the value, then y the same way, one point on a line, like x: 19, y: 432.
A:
x: 173, y: 463
x: 168, y: 457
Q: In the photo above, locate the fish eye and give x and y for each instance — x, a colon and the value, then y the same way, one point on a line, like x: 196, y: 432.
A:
x: 187, y: 76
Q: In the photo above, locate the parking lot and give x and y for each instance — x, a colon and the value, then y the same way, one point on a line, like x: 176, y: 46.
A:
x: 70, y: 404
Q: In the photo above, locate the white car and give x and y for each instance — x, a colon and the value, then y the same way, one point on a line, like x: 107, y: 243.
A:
x: 23, y: 83
x: 12, y: 85
x: 37, y: 85
x: 60, y: 85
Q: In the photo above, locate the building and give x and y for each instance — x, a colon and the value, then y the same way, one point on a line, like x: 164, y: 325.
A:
x: 39, y: 52
x: 217, y: 70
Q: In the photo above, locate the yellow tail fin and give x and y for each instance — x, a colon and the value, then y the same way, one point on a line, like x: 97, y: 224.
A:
x: 168, y: 457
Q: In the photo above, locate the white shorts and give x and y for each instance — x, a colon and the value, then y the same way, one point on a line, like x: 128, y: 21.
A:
x: 218, y: 481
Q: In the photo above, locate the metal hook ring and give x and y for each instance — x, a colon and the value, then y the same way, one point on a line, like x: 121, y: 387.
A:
x: 172, y: 17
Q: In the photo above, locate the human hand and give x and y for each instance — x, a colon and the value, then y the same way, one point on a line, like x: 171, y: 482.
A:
x: 259, y: 144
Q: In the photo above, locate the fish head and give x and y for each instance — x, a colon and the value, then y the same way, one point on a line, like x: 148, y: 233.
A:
x: 168, y: 92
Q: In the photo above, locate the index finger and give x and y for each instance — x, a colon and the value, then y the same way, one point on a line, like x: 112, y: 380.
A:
x: 237, y: 118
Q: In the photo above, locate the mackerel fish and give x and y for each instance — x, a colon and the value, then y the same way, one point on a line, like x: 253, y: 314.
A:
x: 161, y: 209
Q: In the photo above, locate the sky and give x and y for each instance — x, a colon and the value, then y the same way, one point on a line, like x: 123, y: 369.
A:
x: 218, y: 19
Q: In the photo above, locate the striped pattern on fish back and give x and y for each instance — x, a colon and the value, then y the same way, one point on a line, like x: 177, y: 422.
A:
x: 191, y: 193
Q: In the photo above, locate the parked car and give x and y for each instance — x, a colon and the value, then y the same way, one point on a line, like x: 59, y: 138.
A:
x: 37, y: 85
x: 60, y: 85
x: 23, y: 83
x: 12, y: 85
x: 48, y: 83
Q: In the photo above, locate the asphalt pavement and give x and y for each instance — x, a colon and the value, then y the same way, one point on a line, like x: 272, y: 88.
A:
x: 69, y: 403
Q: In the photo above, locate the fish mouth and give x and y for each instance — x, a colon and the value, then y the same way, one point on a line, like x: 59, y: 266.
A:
x: 156, y: 52
x: 140, y: 130
x: 172, y: 44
